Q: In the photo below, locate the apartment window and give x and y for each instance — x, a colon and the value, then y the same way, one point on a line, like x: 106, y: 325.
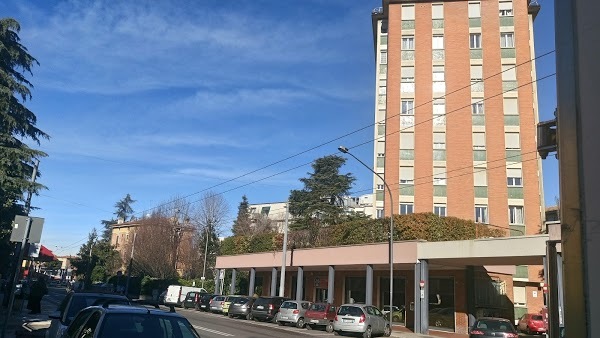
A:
x: 382, y: 90
x: 477, y: 106
x: 406, y: 208
x: 439, y: 140
x: 408, y: 12
x: 407, y: 175
x: 379, y: 213
x: 474, y: 10
x: 478, y: 141
x: 408, y: 107
x: 516, y: 215
x: 509, y: 73
x: 439, y: 175
x: 506, y: 8
x: 475, y: 40
x: 438, y: 42
x: 407, y: 140
x: 481, y: 214
x: 383, y: 57
x: 265, y: 211
x: 514, y: 177
x: 407, y: 84
x: 507, y: 40
x: 511, y: 106
x: 437, y: 11
x: 439, y: 209
x: 479, y: 177
x: 512, y: 140
x: 439, y: 84
x: 520, y: 296
x: 408, y: 42
x: 476, y: 78
x: 380, y: 187
x: 439, y: 111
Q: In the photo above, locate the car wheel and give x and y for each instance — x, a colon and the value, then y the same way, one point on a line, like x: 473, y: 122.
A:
x: 196, y: 307
x: 185, y: 307
x: 368, y: 333
x: 280, y: 323
x: 256, y: 319
x: 230, y: 315
x: 336, y: 333
x: 300, y: 323
x: 387, y: 332
x: 329, y: 327
x: 308, y: 327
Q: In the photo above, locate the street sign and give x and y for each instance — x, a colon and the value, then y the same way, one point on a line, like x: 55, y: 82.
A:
x: 19, y: 225
x: 222, y: 274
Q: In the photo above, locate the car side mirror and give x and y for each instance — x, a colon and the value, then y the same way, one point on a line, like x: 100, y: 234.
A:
x: 54, y: 315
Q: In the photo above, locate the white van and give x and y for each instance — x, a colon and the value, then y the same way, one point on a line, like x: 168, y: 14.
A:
x: 176, y: 294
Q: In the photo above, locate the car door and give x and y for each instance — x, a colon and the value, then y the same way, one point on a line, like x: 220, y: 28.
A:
x: 91, y: 325
x: 381, y: 319
x: 78, y: 323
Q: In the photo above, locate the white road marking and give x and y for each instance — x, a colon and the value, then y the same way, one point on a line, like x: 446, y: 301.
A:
x: 212, y: 331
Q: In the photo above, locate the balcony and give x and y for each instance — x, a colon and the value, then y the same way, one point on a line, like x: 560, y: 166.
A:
x: 438, y: 55
x: 439, y: 154
x: 511, y: 120
x: 507, y: 53
x: 507, y: 21
x: 407, y: 189
x: 515, y: 192
x: 439, y: 190
x: 479, y: 155
x: 474, y: 22
x: 508, y: 86
x: 481, y: 192
x: 408, y: 55
x: 513, y: 155
x: 478, y: 120
x: 438, y: 23
x: 408, y: 24
x: 477, y: 53
x: 407, y: 154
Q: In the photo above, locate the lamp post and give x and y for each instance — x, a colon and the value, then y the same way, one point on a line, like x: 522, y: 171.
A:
x: 284, y: 252
x: 391, y: 235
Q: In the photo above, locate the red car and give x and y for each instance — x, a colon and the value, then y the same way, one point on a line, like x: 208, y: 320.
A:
x: 320, y: 314
x: 532, y: 323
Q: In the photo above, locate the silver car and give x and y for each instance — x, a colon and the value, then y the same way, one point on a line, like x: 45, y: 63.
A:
x: 292, y: 311
x: 359, y: 318
x: 216, y: 304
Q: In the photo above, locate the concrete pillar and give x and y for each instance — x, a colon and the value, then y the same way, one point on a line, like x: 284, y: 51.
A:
x: 422, y: 297
x: 470, y: 285
x: 300, y: 283
x: 273, y: 282
x: 218, y: 283
x: 233, y: 280
x: 369, y: 285
x: 417, y: 304
x: 251, y: 283
x: 330, y: 284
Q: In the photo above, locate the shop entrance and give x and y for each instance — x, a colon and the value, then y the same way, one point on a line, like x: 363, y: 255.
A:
x: 320, y: 295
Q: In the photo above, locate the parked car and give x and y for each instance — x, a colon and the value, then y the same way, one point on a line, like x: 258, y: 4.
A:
x: 493, y: 327
x: 75, y: 302
x: 241, y: 307
x: 266, y: 308
x: 204, y: 302
x: 191, y: 299
x: 216, y: 304
x: 532, y: 323
x: 320, y: 314
x: 363, y: 319
x: 293, y: 311
x: 227, y: 303
x: 176, y: 294
x: 161, y: 297
x: 127, y: 322
x: 397, y: 313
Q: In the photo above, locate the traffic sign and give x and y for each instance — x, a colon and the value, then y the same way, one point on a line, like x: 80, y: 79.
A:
x: 19, y: 225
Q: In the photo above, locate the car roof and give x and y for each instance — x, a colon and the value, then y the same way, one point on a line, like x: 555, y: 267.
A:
x: 494, y: 318
x: 355, y: 304
x: 130, y: 309
x: 99, y: 294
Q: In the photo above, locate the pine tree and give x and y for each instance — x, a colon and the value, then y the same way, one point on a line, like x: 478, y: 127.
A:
x: 241, y: 226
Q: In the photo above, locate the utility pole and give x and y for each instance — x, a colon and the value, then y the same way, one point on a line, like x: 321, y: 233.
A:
x: 284, y: 252
x: 130, y: 264
x: 88, y: 275
x: 205, y: 253
x: 21, y: 252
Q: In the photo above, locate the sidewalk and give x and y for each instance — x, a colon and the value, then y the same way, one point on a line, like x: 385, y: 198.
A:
x: 23, y: 324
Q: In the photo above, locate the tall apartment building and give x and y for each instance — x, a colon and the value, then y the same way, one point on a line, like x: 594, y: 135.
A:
x: 455, y: 117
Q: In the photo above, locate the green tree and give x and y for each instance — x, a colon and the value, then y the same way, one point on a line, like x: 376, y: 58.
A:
x: 241, y: 225
x: 320, y: 202
x: 84, y: 263
x: 124, y: 209
x: 17, y: 123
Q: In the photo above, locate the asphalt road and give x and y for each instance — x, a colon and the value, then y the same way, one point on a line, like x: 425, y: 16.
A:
x: 211, y: 325
x: 55, y: 295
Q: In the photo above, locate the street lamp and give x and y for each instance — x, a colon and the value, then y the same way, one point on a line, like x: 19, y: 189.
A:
x: 391, y: 235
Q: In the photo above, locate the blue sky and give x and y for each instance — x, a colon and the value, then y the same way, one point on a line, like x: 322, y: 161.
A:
x: 168, y: 98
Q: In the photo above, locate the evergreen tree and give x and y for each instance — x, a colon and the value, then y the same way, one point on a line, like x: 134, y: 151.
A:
x: 241, y: 226
x: 321, y: 202
x: 124, y: 209
x: 17, y: 123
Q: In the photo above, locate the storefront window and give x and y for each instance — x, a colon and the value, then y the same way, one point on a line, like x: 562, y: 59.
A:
x: 355, y: 290
x: 399, y: 303
x: 441, y: 303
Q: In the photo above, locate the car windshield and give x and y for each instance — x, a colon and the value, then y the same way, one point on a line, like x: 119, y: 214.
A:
x: 536, y: 317
x: 240, y: 300
x: 82, y: 301
x: 317, y: 307
x: 218, y: 299
x: 289, y: 305
x: 261, y: 301
x: 206, y: 297
x: 495, y: 325
x: 350, y: 311
x: 126, y: 325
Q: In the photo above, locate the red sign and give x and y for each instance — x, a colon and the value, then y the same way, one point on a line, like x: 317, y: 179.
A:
x: 422, y: 284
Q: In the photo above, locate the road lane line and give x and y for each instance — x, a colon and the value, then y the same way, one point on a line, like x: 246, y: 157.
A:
x: 212, y: 331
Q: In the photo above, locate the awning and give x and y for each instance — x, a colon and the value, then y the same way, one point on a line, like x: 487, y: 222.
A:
x: 40, y: 253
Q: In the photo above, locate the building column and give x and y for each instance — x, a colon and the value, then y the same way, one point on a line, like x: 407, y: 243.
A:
x: 330, y: 284
x: 251, y: 283
x: 421, y: 297
x: 273, y: 282
x: 369, y: 285
x: 233, y: 280
x: 300, y: 283
x: 470, y: 285
x: 218, y: 282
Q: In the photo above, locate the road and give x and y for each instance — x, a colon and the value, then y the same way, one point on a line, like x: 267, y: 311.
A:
x: 55, y: 295
x: 211, y: 325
